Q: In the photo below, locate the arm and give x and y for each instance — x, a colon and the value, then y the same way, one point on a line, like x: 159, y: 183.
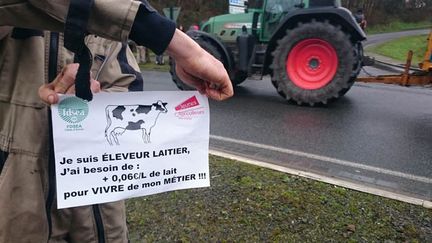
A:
x: 114, y: 19
x: 194, y: 64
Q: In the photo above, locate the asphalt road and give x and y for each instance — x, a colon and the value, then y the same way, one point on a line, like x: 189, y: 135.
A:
x: 377, y: 136
x: 379, y: 38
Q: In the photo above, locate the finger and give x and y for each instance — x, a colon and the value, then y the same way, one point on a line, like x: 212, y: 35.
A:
x: 61, y: 87
x: 190, y: 80
x: 66, y: 78
x: 220, y: 89
x: 47, y: 94
x: 219, y: 86
x: 70, y: 90
x: 95, y: 86
x: 220, y: 93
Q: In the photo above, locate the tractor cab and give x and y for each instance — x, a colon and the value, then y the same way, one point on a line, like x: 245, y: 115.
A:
x: 274, y: 12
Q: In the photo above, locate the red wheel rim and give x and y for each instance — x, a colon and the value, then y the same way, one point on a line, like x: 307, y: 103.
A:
x: 312, y: 64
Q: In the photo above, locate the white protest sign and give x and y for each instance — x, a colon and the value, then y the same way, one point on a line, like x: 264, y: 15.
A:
x: 124, y: 145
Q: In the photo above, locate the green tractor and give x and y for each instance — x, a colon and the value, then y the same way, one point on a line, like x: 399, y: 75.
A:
x: 311, y: 48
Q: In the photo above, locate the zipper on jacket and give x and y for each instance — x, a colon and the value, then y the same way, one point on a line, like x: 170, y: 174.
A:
x: 52, y: 72
x: 99, y: 224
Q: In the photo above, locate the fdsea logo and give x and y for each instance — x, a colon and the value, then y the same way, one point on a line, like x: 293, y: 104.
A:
x: 73, y: 110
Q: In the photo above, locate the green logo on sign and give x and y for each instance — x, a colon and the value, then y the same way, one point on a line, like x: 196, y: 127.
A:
x: 73, y: 109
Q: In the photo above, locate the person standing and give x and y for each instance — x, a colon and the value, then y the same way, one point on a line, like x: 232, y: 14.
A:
x: 31, y: 58
x: 29, y: 203
x: 360, y: 18
x: 159, y: 59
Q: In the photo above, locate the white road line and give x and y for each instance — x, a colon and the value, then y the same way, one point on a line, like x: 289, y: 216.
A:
x: 351, y: 164
x: 329, y: 180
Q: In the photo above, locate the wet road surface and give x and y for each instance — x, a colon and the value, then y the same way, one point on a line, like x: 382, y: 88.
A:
x: 378, y: 136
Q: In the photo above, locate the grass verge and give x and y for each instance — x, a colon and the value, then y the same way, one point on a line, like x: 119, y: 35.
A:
x: 395, y: 26
x: 398, y: 49
x: 246, y: 203
x: 152, y: 66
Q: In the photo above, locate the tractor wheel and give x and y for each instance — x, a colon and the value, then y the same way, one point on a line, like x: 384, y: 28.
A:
x: 357, y: 66
x: 239, y: 78
x: 206, y: 46
x: 358, y: 59
x: 313, y: 64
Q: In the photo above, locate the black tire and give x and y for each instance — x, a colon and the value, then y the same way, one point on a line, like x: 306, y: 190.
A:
x: 357, y: 66
x: 358, y: 59
x: 309, y: 37
x: 206, y: 45
x: 239, y: 78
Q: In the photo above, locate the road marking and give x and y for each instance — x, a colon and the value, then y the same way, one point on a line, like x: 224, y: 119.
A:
x: 329, y: 180
x: 351, y: 164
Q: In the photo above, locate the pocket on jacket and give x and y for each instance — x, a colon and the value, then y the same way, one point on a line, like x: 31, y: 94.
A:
x: 22, y: 70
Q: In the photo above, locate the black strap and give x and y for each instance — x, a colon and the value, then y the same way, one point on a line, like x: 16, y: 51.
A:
x: 75, y: 32
x: 53, y: 56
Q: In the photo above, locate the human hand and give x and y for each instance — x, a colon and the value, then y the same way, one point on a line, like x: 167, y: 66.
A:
x: 198, y: 68
x: 64, y: 83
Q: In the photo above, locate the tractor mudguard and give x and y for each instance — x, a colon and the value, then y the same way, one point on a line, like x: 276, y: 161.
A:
x: 336, y: 16
x: 228, y: 60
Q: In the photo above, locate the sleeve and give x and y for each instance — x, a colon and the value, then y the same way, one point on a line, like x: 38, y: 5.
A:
x: 111, y: 19
x: 152, y: 30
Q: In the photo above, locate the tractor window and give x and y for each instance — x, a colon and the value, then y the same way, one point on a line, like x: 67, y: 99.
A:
x: 280, y: 6
x: 274, y: 12
x: 274, y: 7
x: 322, y: 3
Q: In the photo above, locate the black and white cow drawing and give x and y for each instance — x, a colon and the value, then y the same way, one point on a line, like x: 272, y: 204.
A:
x: 132, y: 117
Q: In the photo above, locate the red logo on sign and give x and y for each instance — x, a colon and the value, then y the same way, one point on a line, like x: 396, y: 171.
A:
x: 191, y: 102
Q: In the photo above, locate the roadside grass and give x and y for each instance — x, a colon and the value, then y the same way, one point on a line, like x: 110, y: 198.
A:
x: 151, y: 64
x: 398, y: 48
x: 395, y: 26
x: 246, y: 203
x: 154, y: 67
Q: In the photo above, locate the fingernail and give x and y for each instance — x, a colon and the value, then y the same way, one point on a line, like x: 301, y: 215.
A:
x: 51, y: 99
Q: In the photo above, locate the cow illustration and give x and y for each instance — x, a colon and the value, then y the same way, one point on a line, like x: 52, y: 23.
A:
x: 132, y: 117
